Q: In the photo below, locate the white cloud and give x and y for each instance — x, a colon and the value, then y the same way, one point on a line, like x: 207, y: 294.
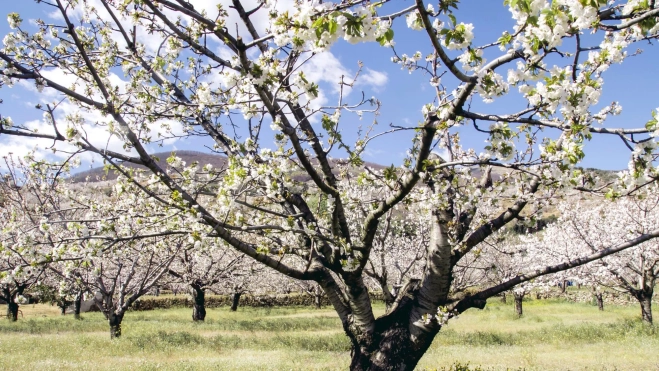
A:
x: 326, y: 68
x: 375, y: 79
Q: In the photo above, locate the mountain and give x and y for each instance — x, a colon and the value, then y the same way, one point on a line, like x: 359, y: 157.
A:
x: 220, y: 161
x: 98, y: 173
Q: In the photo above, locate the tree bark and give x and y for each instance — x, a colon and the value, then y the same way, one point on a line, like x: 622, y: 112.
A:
x: 77, y: 303
x: 391, y: 345
x: 235, y: 301
x: 518, y: 303
x: 199, y: 303
x: 503, y: 297
x: 318, y: 297
x: 115, y: 324
x: 646, y: 307
x: 12, y: 311
x: 600, y: 301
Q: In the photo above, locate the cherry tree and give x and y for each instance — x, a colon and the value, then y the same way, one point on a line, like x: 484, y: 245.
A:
x: 123, y: 247
x: 63, y: 293
x: 74, y: 239
x: 506, y: 257
x: 147, y: 71
x: 398, y: 248
x: 585, y: 229
x: 203, y: 265
x: 26, y: 194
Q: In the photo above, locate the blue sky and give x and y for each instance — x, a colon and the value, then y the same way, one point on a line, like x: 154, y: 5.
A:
x: 634, y: 84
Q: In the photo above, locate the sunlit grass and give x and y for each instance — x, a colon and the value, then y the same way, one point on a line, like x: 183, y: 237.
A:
x: 551, y: 335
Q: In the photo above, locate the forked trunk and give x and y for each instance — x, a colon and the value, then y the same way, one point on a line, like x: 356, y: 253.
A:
x: 235, y: 301
x: 518, y: 304
x: 12, y: 311
x: 391, y: 346
x: 199, y: 303
x: 115, y: 324
x: 77, y: 303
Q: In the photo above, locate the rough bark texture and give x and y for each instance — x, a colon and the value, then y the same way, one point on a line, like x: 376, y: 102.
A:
x: 235, y: 301
x: 115, y: 325
x: 199, y: 304
x: 390, y: 347
x: 646, y: 308
x: 518, y: 304
x: 12, y: 311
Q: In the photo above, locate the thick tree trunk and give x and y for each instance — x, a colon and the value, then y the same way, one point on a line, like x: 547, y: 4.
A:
x: 77, y: 303
x: 12, y: 311
x: 393, y: 351
x: 518, y: 304
x: 199, y: 303
x: 391, y: 346
x: 646, y: 308
x: 563, y: 286
x: 235, y: 301
x: 600, y: 301
x: 115, y: 324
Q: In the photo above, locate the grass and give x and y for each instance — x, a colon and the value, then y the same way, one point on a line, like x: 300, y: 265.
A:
x: 552, y: 335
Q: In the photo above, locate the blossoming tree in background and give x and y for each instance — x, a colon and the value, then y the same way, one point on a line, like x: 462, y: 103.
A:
x: 203, y: 265
x: 145, y: 71
x: 588, y: 229
x: 22, y: 202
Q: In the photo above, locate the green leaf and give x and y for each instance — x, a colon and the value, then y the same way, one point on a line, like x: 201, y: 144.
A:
x: 453, y: 20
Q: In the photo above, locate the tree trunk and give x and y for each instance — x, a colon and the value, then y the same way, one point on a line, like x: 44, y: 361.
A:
x: 518, y: 304
x: 62, y: 308
x: 115, y: 324
x: 77, y: 303
x: 391, y: 346
x: 563, y: 286
x: 318, y: 297
x: 235, y: 301
x: 646, y: 308
x: 503, y: 297
x: 600, y: 301
x: 12, y: 311
x: 199, y: 303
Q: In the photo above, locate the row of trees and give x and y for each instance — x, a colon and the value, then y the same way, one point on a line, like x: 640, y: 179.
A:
x: 45, y: 214
x: 139, y: 72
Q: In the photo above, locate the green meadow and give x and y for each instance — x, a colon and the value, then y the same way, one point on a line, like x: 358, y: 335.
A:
x: 552, y: 335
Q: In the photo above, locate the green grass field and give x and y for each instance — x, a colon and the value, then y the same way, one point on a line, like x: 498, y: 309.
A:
x: 552, y: 335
